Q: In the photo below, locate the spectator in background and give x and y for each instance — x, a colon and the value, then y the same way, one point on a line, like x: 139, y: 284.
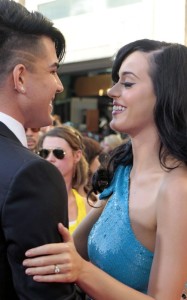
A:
x: 63, y: 147
x: 110, y: 142
x: 56, y: 122
x: 92, y: 152
x: 32, y: 135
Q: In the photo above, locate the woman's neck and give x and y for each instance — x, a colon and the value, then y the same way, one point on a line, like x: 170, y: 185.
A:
x: 146, y: 153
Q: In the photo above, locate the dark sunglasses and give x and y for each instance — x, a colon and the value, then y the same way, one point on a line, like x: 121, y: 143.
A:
x: 58, y: 153
x: 33, y: 129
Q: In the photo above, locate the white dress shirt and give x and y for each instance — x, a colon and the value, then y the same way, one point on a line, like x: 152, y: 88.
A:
x: 15, y: 126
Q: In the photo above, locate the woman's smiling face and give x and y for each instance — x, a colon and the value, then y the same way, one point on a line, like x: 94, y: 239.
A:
x: 133, y: 95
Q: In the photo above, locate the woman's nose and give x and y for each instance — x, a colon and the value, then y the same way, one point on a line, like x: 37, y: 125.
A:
x: 50, y: 157
x: 113, y: 92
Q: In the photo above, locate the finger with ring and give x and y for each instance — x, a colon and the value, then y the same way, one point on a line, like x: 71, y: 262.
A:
x: 56, y: 269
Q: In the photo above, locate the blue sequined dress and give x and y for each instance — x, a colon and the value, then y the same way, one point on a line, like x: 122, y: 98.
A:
x: 112, y: 245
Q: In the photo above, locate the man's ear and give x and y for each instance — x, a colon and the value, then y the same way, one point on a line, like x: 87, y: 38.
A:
x: 18, y: 78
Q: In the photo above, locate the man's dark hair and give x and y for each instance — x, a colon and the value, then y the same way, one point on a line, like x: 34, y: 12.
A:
x: 20, y: 35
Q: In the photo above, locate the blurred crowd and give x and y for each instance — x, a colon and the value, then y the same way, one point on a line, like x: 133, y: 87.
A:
x: 77, y: 156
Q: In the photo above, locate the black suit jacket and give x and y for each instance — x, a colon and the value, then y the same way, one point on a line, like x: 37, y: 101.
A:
x: 33, y: 200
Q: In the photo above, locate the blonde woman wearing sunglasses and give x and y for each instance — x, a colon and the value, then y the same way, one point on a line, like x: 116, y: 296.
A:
x: 64, y: 148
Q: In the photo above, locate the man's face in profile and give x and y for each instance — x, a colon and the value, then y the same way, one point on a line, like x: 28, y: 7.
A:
x: 32, y: 135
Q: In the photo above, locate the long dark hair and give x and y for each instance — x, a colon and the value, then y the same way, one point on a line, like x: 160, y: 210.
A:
x: 168, y: 71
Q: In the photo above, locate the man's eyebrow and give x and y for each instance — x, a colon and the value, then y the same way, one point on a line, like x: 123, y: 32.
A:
x: 129, y: 73
x: 57, y: 65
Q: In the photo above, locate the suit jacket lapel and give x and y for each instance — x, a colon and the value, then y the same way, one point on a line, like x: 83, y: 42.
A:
x: 5, y: 131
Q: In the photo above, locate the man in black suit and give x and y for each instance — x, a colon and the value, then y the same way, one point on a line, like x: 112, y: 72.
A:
x: 33, y: 197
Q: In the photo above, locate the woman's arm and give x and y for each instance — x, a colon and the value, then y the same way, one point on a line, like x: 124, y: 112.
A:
x: 99, y: 285
x: 73, y: 268
x: 169, y: 269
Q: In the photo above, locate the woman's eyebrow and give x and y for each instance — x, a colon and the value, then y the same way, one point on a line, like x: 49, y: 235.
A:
x: 129, y: 73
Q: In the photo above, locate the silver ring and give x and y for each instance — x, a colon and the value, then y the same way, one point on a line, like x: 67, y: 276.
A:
x: 56, y: 269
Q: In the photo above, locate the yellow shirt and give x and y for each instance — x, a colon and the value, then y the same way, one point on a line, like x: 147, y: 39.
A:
x: 81, y: 208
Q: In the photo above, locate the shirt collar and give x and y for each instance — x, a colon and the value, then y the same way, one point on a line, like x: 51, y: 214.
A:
x: 15, y: 126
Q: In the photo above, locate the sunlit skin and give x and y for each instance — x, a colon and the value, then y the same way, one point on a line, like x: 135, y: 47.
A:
x: 157, y: 203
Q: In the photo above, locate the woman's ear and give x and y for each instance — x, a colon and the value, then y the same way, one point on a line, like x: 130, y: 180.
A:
x: 18, y: 78
x: 77, y: 155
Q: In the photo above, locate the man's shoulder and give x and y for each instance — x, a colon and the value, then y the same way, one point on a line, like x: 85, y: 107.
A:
x: 16, y: 159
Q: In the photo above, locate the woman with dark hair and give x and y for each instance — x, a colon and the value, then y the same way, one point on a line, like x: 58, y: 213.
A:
x: 92, y: 152
x: 134, y: 248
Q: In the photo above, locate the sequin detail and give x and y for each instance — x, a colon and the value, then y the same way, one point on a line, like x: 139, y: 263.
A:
x: 112, y: 245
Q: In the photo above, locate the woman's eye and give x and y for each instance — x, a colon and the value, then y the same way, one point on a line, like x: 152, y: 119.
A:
x: 128, y: 84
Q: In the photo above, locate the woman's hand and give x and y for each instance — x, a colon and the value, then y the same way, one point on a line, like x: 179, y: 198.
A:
x: 58, y: 262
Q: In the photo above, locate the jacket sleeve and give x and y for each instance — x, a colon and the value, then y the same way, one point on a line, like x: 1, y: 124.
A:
x: 36, y: 201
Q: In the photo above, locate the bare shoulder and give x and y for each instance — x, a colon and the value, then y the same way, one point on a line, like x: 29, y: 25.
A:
x: 175, y: 182
x: 171, y: 238
x: 173, y: 191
